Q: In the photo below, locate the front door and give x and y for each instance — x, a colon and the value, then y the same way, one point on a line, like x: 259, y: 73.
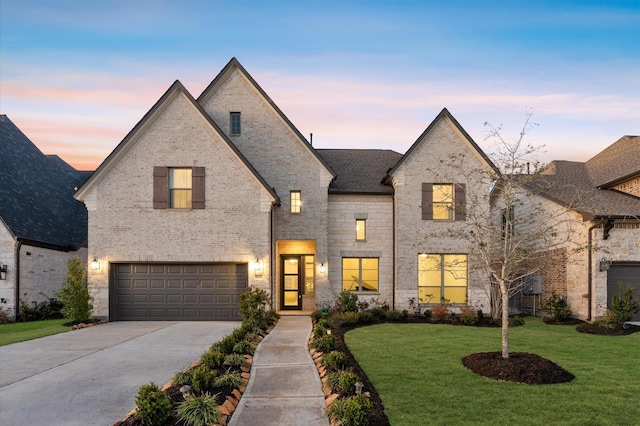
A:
x: 291, y: 279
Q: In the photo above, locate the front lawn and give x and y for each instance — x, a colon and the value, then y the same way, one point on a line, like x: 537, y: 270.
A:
x: 21, y: 331
x: 418, y: 373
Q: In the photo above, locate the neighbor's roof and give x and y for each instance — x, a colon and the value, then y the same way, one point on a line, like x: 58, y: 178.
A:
x: 359, y: 171
x: 36, y: 193
x: 617, y: 163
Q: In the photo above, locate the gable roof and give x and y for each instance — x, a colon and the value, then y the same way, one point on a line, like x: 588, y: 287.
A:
x: 360, y: 171
x: 234, y: 64
x: 175, y: 89
x: 37, y: 193
x: 445, y: 114
x: 617, y: 163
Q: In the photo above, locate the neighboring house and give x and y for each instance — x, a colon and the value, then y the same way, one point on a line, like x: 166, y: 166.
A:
x: 41, y: 225
x: 604, y: 199
x: 207, y: 196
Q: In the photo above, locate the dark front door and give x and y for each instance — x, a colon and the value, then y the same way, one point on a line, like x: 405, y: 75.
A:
x: 291, y: 279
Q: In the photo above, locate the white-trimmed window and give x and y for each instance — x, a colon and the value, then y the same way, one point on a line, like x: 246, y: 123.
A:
x: 360, y: 274
x: 442, y: 278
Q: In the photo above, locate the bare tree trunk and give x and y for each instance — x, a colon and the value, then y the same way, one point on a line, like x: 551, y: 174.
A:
x: 505, y: 320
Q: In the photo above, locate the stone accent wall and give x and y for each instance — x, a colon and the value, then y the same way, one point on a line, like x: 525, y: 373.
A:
x: 378, y: 212
x: 234, y: 226
x: 443, y: 156
x: 8, y: 257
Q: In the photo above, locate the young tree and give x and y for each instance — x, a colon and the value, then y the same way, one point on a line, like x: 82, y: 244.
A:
x: 75, y: 293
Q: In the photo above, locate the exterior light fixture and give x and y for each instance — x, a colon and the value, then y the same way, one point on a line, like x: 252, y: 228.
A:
x: 323, y: 268
x: 185, y: 391
x: 605, y: 264
x: 3, y: 271
x: 257, y: 268
x: 95, y: 264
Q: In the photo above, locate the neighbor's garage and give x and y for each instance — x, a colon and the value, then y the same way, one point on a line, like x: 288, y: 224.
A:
x: 627, y: 274
x: 176, y: 292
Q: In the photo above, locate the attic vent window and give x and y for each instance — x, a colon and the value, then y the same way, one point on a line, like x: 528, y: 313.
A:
x: 235, y: 123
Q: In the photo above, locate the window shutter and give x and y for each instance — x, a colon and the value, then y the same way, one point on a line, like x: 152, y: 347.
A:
x: 160, y: 187
x: 427, y: 201
x: 197, y: 186
x: 461, y: 202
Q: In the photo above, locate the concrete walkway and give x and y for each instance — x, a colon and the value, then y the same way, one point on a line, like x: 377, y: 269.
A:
x: 284, y: 388
x: 91, y: 376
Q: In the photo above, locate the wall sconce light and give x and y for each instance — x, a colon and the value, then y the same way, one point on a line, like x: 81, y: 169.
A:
x: 323, y: 268
x: 257, y: 268
x: 95, y: 265
x: 605, y: 264
x: 3, y: 271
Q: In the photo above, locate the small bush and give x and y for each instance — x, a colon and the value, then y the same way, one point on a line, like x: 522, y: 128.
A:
x: 272, y: 317
x: 49, y: 309
x: 440, y: 312
x: 244, y: 347
x: 348, y: 302
x: 324, y: 344
x: 480, y: 315
x: 623, y: 307
x: 316, y: 315
x: 234, y: 360
x: 365, y: 317
x: 203, y: 379
x: 225, y: 345
x: 230, y: 379
x: 153, y: 405
x: 427, y: 313
x: 352, y: 411
x: 516, y: 321
x: 334, y: 361
x: 212, y: 359
x: 379, y: 314
x: 183, y: 377
x: 557, y: 306
x: 74, y: 294
x: 342, y: 319
x: 253, y: 306
x: 342, y: 382
x: 324, y: 322
x: 319, y: 330
x: 199, y: 410
x: 468, y: 315
x: 4, y: 317
x: 394, y: 315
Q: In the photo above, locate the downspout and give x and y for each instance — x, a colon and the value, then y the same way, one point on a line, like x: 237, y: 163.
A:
x: 271, y: 260
x: 17, y: 273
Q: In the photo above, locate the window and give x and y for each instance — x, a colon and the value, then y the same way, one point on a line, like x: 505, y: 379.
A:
x: 507, y: 222
x: 361, y: 229
x: 443, y: 201
x: 309, y: 274
x: 442, y: 278
x: 359, y: 274
x: 235, y: 123
x: 178, y: 187
x: 296, y: 201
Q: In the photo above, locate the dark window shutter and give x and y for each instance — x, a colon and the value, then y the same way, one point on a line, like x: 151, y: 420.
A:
x: 461, y: 202
x: 427, y: 201
x: 197, y: 187
x: 160, y: 187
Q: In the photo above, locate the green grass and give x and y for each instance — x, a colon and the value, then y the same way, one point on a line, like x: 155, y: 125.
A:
x: 21, y: 331
x: 417, y: 370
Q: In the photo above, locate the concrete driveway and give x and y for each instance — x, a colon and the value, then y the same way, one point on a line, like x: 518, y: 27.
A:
x: 91, y: 376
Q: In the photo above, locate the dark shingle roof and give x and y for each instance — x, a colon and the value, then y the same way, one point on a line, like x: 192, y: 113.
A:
x: 618, y: 162
x: 36, y: 193
x: 360, y: 171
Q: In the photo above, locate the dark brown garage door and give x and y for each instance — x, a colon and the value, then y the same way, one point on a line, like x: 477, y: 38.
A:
x: 176, y: 292
x: 623, y: 275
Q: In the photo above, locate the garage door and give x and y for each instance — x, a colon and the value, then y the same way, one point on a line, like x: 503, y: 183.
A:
x: 176, y: 292
x: 624, y: 274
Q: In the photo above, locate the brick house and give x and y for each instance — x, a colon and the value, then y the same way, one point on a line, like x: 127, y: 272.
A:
x: 41, y: 225
x: 207, y: 196
x: 606, y: 222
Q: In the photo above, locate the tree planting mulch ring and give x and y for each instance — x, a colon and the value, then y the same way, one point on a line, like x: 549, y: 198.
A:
x: 520, y: 367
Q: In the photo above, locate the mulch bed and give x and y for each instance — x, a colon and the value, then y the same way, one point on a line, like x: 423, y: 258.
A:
x: 520, y: 367
x: 603, y: 330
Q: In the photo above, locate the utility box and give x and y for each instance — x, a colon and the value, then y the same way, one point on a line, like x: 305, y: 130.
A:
x: 532, y: 285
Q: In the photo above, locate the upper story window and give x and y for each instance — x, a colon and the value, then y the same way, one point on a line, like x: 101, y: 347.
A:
x: 296, y: 201
x: 236, y: 126
x: 178, y: 187
x: 361, y: 229
x: 360, y: 274
x: 443, y: 201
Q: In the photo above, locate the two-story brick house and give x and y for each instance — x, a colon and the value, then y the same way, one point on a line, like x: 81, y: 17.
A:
x: 207, y: 196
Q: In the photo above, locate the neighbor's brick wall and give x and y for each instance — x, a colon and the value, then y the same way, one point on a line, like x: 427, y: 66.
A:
x: 284, y: 161
x: 124, y: 227
x: 630, y: 187
x: 378, y: 212
x: 431, y: 162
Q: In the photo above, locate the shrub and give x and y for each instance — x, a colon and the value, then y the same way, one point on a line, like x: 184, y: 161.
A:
x: 323, y: 322
x: 379, y: 313
x: 394, y: 315
x: 324, y: 344
x: 272, y: 317
x: 230, y: 379
x: 153, y: 405
x: 439, y: 312
x: 365, y: 317
x: 203, y: 378
x: 253, y: 306
x: 427, y: 313
x: 4, y: 317
x: 342, y: 382
x: 234, y: 360
x: 348, y: 302
x: 199, y: 410
x: 340, y: 319
x: 316, y: 315
x: 334, y: 361
x: 225, y: 345
x: 468, y: 315
x: 480, y: 315
x: 74, y: 294
x: 49, y: 309
x: 516, y: 321
x: 244, y: 347
x: 623, y: 307
x: 212, y: 359
x: 183, y: 377
x: 557, y: 306
x: 352, y: 411
x: 319, y: 330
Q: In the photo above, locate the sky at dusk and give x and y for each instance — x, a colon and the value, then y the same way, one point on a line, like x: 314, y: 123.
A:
x: 76, y: 76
